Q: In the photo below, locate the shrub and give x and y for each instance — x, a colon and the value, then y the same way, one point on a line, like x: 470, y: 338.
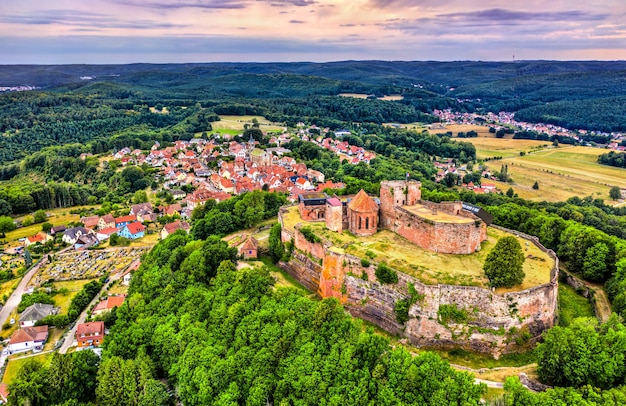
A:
x: 365, y: 263
x: 402, y: 310
x: 309, y: 235
x: 386, y: 274
x: 450, y: 312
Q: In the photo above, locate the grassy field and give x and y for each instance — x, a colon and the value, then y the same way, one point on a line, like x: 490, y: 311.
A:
x: 8, y: 287
x: 234, y: 125
x: 431, y: 267
x: 58, y: 217
x: 63, y: 300
x: 16, y: 363
x: 561, y: 172
x: 572, y: 305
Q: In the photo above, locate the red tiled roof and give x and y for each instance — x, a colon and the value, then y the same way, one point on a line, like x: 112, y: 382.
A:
x: 108, y: 231
x: 250, y: 244
x: 362, y: 203
x: 25, y: 334
x: 109, y: 303
x: 36, y: 238
x: 135, y: 227
x: 124, y: 219
x: 90, y: 328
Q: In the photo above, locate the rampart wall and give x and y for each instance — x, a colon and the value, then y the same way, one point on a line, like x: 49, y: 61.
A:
x: 496, y: 323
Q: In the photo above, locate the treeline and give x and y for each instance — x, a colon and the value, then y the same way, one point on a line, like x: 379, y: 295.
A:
x: 222, y: 336
x: 239, y: 212
x: 613, y: 159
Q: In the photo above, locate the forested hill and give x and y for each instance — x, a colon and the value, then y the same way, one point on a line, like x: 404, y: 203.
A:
x: 576, y: 94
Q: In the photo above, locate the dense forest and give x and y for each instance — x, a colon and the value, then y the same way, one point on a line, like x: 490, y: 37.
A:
x: 613, y: 159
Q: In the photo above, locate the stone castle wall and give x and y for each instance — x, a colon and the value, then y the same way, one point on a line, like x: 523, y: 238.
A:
x: 495, y: 321
x: 447, y: 238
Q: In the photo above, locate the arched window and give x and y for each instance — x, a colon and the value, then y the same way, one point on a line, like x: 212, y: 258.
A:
x: 367, y: 223
x: 359, y: 222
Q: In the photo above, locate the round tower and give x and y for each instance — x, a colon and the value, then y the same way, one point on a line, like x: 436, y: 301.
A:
x: 362, y: 215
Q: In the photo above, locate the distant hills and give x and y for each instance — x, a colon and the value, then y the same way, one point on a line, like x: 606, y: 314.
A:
x: 586, y: 94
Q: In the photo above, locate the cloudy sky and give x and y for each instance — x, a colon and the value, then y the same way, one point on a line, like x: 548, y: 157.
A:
x: 125, y: 31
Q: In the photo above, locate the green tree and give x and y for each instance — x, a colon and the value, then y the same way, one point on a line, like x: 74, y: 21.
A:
x: 504, y: 264
x: 595, y: 262
x: 536, y: 185
x: 6, y: 224
x: 40, y: 216
x: 276, y: 248
x: 615, y: 193
x: 46, y: 227
x: 510, y: 192
x: 28, y: 258
x: 140, y: 196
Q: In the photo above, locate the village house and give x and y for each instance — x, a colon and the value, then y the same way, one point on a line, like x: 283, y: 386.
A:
x: 171, y: 228
x: 39, y: 238
x: 85, y: 241
x: 35, y: 312
x: 57, y: 229
x: 106, y: 221
x: 90, y: 334
x: 70, y: 236
x: 28, y: 338
x: 133, y: 231
x: 90, y: 221
x: 108, y: 304
x: 106, y: 233
x: 124, y: 220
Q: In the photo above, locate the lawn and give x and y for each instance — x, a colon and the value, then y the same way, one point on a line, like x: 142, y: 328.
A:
x: 16, y: 363
x: 431, y: 267
x: 234, y: 125
x: 70, y: 289
x: 572, y: 305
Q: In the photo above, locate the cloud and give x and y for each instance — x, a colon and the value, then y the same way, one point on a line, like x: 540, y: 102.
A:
x: 182, y: 4
x: 83, y: 19
x: 284, y: 3
x: 503, y: 15
x: 406, y: 3
x: 296, y: 22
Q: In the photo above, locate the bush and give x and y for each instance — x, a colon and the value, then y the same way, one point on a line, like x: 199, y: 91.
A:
x: 365, y: 263
x: 402, y: 310
x: 386, y: 274
x: 450, y: 312
x: 309, y: 235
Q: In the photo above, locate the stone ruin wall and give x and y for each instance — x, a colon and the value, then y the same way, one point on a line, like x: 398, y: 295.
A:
x: 494, y: 319
x: 447, y: 238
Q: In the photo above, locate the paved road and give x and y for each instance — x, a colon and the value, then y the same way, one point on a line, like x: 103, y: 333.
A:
x: 69, y: 336
x: 16, y: 297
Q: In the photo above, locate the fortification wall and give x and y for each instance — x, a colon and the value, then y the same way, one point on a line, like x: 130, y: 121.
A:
x: 495, y: 322
x: 447, y: 238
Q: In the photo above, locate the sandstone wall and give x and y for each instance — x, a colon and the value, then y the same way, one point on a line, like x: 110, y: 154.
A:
x: 447, y: 238
x: 495, y: 321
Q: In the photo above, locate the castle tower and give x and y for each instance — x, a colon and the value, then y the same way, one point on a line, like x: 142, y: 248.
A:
x: 397, y: 193
x: 362, y: 215
x: 334, y: 215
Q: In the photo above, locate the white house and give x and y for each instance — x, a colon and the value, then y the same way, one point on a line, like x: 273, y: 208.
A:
x: 35, y: 312
x: 28, y: 338
x: 70, y: 236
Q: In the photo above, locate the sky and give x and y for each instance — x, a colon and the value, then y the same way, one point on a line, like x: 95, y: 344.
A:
x: 165, y: 31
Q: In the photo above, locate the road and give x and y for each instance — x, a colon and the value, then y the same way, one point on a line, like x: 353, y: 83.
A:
x: 16, y: 297
x: 69, y: 336
x: 490, y: 384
